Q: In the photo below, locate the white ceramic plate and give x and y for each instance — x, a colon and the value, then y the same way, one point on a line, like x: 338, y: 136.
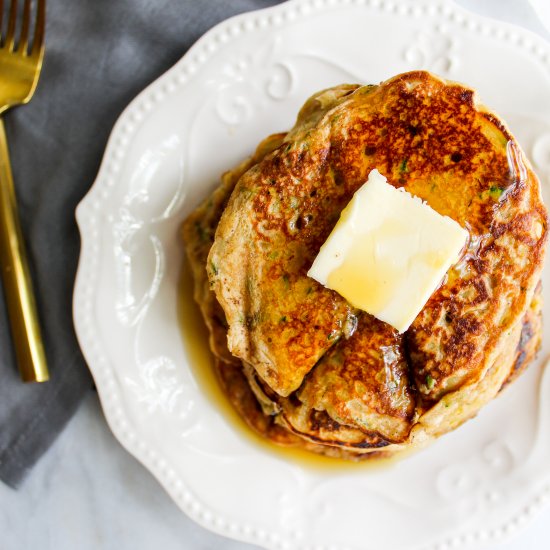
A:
x: 243, y: 80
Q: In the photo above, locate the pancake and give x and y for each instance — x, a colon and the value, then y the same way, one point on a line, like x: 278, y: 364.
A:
x: 300, y: 365
x: 428, y: 136
x: 294, y: 421
x: 238, y: 391
x: 530, y: 338
x: 277, y: 430
x: 198, y: 234
x: 301, y: 418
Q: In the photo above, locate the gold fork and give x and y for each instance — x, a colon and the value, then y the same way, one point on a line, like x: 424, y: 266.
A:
x: 20, y: 64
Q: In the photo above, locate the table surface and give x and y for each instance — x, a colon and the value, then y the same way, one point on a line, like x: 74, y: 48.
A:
x: 88, y: 493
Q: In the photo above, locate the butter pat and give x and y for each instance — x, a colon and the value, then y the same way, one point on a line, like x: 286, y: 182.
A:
x: 388, y: 252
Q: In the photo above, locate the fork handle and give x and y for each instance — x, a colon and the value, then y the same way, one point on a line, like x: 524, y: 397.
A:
x: 25, y: 328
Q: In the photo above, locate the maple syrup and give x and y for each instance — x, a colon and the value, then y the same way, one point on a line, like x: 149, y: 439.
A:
x: 195, y: 336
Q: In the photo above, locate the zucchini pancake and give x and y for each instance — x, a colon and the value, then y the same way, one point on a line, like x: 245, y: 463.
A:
x: 300, y: 364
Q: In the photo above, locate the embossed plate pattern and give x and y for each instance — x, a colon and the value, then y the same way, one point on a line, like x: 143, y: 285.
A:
x: 244, y: 79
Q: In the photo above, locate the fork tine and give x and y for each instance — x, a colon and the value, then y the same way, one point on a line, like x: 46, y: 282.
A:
x: 38, y: 40
x: 24, y: 38
x: 10, y: 35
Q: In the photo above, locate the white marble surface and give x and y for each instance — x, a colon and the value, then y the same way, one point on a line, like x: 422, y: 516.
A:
x: 87, y: 493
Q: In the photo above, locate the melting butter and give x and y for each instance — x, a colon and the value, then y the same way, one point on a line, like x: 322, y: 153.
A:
x: 388, y: 252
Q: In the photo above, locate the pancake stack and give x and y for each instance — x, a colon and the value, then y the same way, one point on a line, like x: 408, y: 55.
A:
x: 300, y: 364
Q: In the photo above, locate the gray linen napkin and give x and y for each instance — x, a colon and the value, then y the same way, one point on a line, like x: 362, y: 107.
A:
x: 99, y: 55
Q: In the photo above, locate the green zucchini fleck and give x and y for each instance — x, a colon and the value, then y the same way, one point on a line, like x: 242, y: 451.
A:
x: 430, y: 381
x: 495, y: 191
x: 286, y: 281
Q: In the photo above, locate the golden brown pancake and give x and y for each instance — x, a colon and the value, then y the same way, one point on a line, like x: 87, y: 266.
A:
x: 198, y: 234
x: 426, y: 135
x: 303, y: 367
x: 287, y: 421
x: 530, y: 338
